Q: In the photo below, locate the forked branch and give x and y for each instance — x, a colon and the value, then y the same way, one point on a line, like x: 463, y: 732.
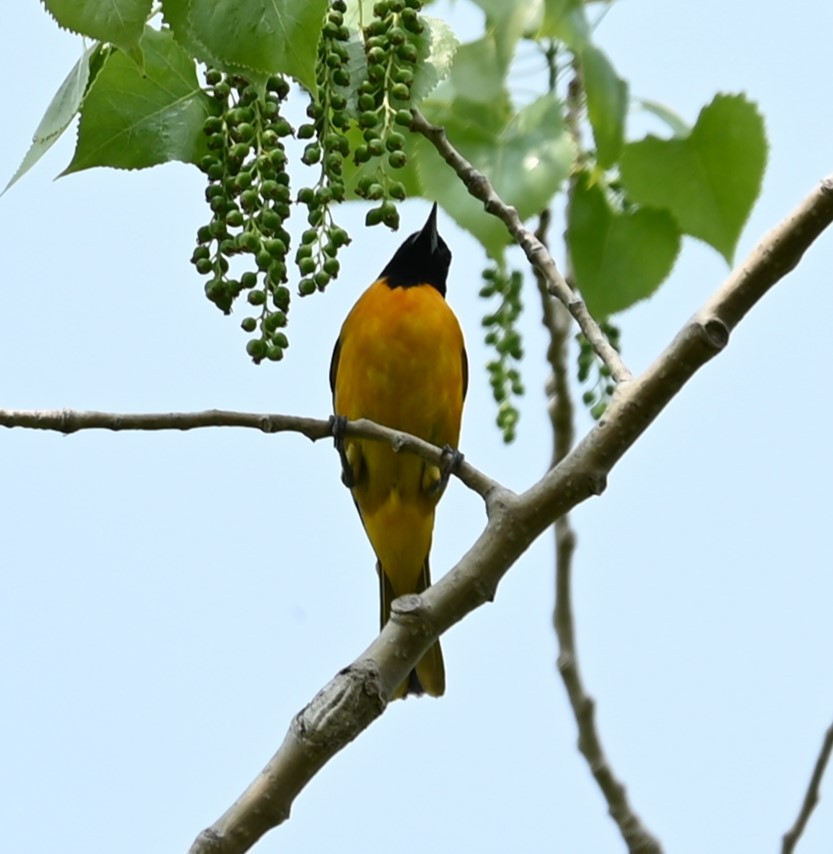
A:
x: 71, y: 421
x: 515, y: 521
x: 562, y: 418
x: 357, y: 695
x: 480, y: 187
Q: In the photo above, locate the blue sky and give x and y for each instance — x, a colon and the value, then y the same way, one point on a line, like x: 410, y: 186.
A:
x: 170, y: 601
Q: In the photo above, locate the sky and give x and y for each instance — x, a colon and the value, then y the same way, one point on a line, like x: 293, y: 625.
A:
x: 169, y: 601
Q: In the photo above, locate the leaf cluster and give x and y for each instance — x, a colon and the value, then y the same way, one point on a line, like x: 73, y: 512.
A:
x: 628, y: 203
x: 204, y: 82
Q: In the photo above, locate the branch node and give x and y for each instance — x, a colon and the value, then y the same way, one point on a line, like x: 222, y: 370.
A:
x: 339, y: 711
x: 597, y: 481
x: 410, y: 612
x: 564, y: 662
x: 68, y: 422
x: 208, y: 842
x: 717, y: 333
x: 484, y: 591
x: 568, y: 539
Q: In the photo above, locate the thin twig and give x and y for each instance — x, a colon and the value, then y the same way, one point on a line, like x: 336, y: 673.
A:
x: 811, y: 797
x: 71, y: 421
x: 637, y: 837
x: 479, y: 186
x: 562, y: 417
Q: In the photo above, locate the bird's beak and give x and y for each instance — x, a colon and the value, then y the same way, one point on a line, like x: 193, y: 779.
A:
x: 429, y: 230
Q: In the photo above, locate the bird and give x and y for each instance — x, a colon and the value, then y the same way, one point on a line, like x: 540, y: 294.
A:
x: 400, y: 360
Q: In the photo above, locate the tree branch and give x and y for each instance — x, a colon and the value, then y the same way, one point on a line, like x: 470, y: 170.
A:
x: 364, y: 687
x: 562, y: 417
x: 636, y: 405
x: 71, y: 421
x: 479, y: 186
x: 637, y: 837
x: 359, y: 693
x: 811, y: 797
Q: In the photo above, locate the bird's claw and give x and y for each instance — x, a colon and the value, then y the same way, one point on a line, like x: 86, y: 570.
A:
x: 450, y: 463
x: 338, y: 427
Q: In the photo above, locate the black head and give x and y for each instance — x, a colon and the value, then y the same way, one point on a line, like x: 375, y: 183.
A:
x: 423, y: 259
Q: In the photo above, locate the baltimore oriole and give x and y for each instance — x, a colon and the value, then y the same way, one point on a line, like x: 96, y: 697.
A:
x: 400, y: 361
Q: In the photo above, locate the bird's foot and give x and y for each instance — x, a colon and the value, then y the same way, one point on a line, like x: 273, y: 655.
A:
x: 338, y: 427
x: 450, y: 463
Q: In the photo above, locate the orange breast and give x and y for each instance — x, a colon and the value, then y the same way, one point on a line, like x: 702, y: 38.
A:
x: 401, y: 364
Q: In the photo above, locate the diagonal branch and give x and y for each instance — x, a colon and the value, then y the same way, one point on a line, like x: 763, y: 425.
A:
x: 358, y: 695
x: 562, y: 417
x: 479, y: 186
x: 71, y: 421
x: 811, y: 797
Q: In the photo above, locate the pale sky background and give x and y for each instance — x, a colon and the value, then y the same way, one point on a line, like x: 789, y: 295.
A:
x: 169, y: 601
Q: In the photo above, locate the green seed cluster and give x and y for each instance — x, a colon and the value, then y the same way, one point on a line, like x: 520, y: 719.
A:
x: 328, y: 146
x: 248, y: 193
x: 503, y: 336
x: 245, y: 246
x: 597, y: 397
x: 384, y: 105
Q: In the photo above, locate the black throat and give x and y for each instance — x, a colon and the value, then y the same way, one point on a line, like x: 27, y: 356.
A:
x: 423, y: 259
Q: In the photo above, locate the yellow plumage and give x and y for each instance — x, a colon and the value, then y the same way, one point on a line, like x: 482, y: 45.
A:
x: 400, y: 361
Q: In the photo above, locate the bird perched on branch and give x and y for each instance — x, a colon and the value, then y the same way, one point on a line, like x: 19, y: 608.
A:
x: 400, y: 361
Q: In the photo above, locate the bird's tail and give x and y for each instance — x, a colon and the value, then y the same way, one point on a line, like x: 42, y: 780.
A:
x: 428, y: 677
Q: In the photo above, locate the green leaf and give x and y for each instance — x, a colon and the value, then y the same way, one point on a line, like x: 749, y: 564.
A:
x: 473, y: 128
x: 527, y: 157
x: 60, y: 112
x: 437, y: 46
x: 676, y: 124
x: 359, y: 13
x: 566, y: 21
x: 708, y: 180
x: 619, y: 257
x: 120, y: 22
x: 607, y: 104
x: 476, y: 74
x: 133, y: 118
x: 264, y: 36
x: 175, y: 14
x: 509, y: 22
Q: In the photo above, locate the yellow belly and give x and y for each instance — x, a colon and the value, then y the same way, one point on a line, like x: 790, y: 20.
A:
x: 401, y: 365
